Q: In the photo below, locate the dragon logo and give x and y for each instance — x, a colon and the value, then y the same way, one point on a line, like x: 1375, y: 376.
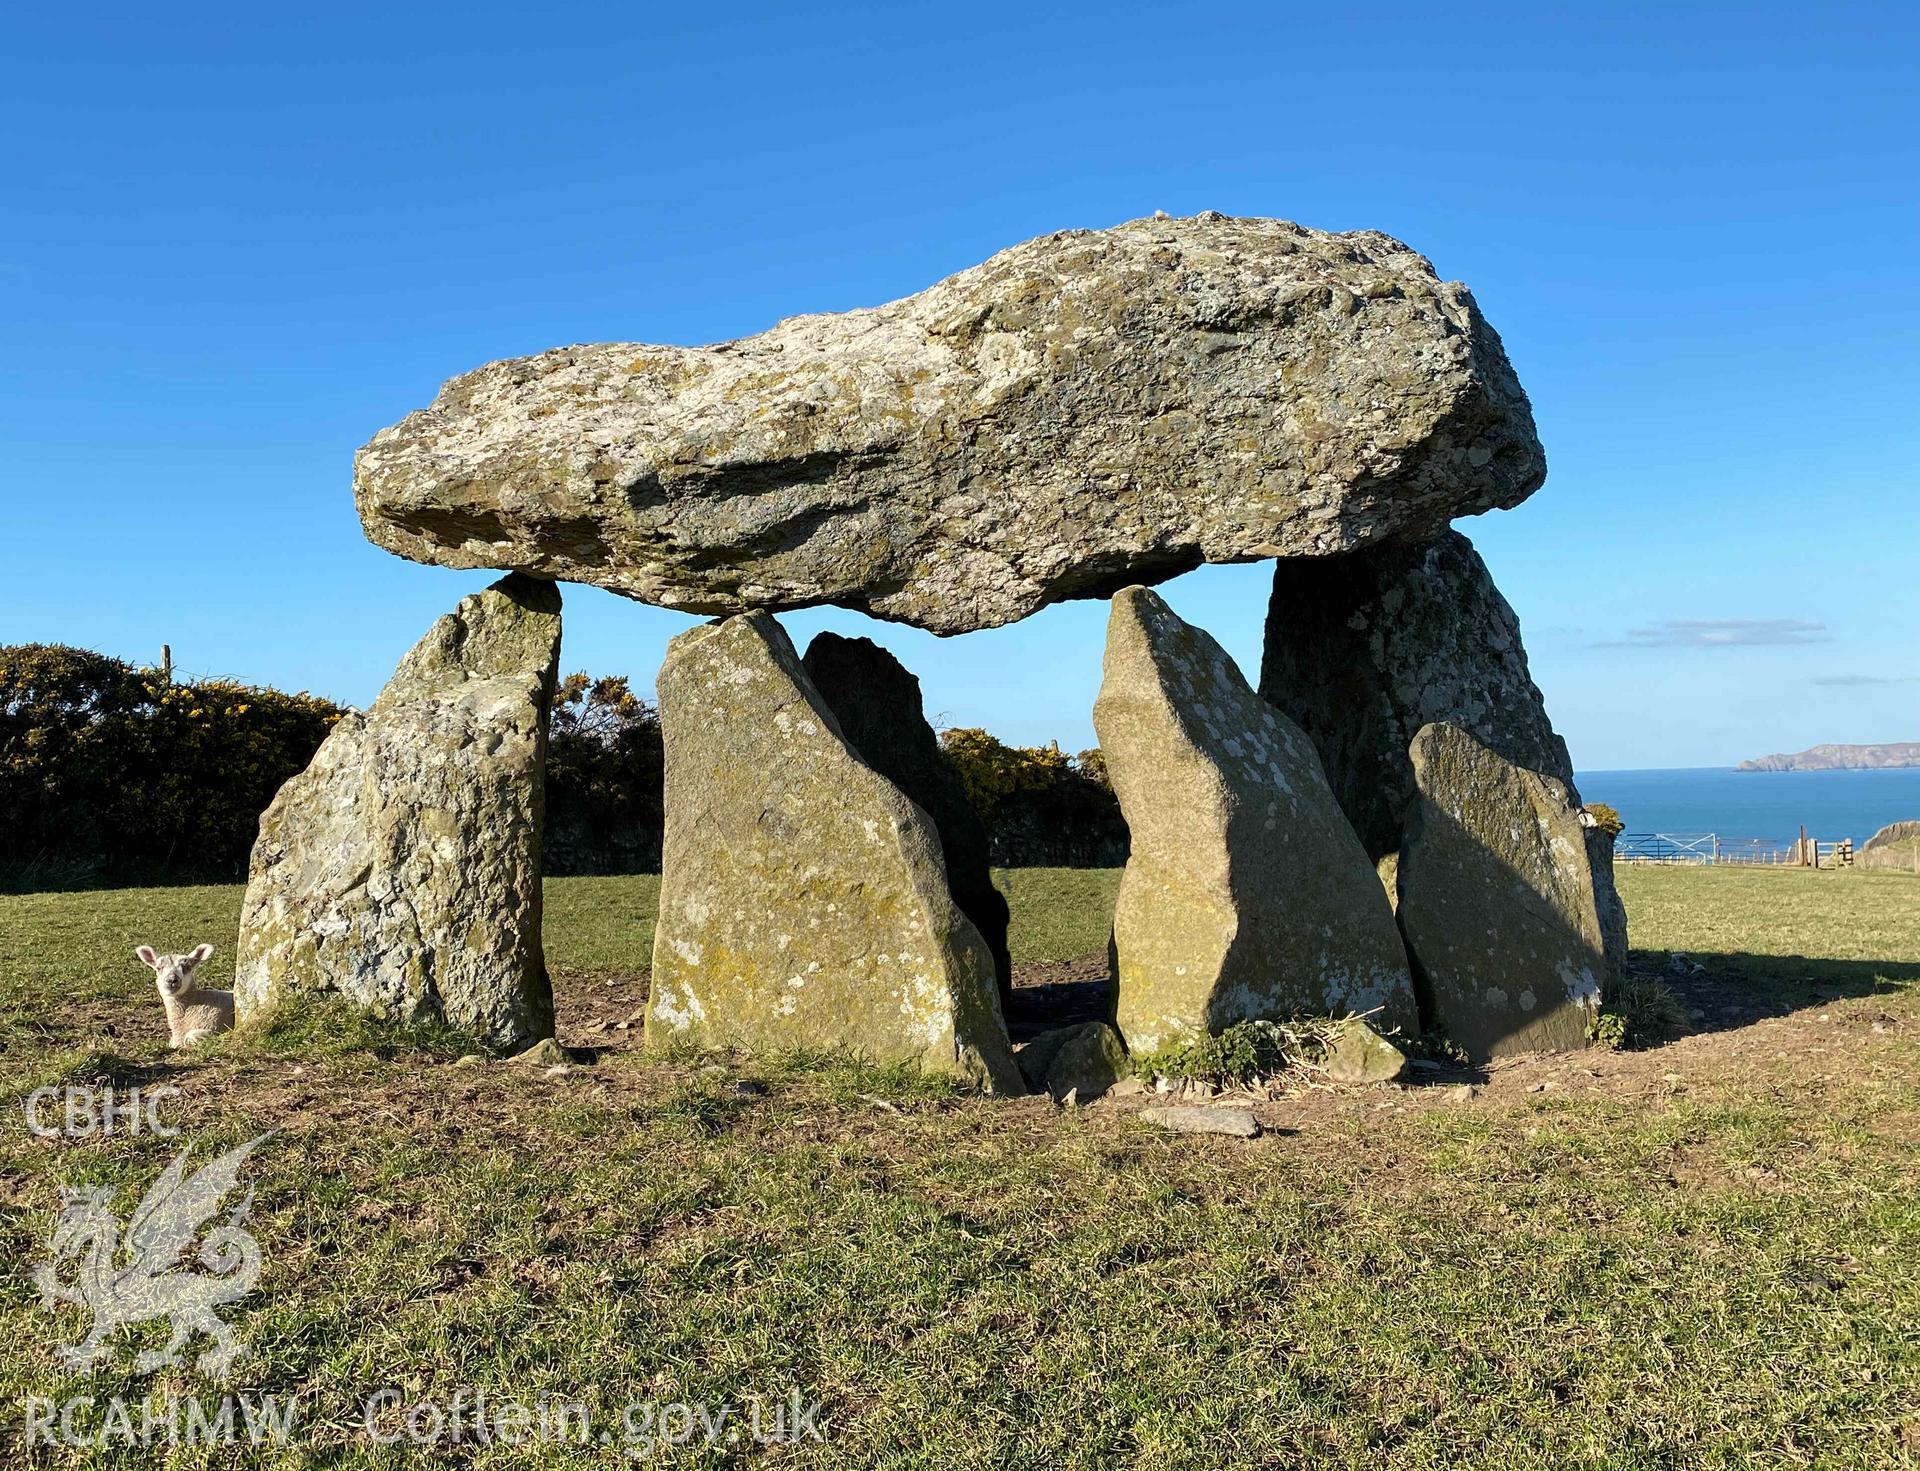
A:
x: 153, y: 1281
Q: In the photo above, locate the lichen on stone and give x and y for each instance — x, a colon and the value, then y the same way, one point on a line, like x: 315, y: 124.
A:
x: 1246, y: 894
x: 1084, y: 410
x: 401, y: 869
x: 804, y: 902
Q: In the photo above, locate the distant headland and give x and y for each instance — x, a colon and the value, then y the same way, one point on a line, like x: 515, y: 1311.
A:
x: 1840, y: 758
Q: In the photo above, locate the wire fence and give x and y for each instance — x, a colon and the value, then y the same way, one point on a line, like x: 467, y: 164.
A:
x: 1717, y: 848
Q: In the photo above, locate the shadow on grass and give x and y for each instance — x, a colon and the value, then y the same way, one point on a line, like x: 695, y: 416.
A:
x: 1724, y: 991
x: 1720, y: 992
x: 1060, y: 1002
x: 88, y: 1067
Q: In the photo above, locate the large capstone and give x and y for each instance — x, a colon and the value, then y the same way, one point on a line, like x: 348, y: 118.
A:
x: 401, y: 869
x: 1497, y: 900
x: 804, y: 903
x: 1086, y: 410
x: 1247, y: 894
x: 877, y: 702
x: 1362, y: 651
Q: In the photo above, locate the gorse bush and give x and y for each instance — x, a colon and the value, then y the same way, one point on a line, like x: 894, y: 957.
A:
x: 605, y: 767
x: 994, y: 773
x: 109, y: 768
x: 109, y: 771
x: 1042, y: 808
x: 64, y: 714
x: 207, y: 758
x: 1606, y: 818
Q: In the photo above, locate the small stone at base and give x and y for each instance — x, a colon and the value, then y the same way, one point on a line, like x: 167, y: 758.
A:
x: 545, y: 1052
x: 1238, y: 1122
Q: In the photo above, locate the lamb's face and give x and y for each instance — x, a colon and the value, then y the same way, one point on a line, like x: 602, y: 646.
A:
x: 174, y: 973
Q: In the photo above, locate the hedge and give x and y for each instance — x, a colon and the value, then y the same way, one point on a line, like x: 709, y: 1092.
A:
x: 113, y: 773
x: 109, y: 769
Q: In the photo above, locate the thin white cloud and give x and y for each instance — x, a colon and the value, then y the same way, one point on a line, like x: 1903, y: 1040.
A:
x: 1862, y: 681
x: 1723, y: 633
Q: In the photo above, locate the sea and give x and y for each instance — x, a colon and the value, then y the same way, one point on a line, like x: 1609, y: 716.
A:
x: 1768, y: 805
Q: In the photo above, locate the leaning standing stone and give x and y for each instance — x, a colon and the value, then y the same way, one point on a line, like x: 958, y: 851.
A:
x: 877, y: 703
x: 1247, y: 894
x: 804, y: 903
x: 1497, y: 900
x: 401, y: 869
x: 1365, y: 649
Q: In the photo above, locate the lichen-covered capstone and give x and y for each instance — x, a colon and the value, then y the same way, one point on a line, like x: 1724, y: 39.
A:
x: 1364, y: 650
x: 1247, y: 894
x: 1895, y: 847
x: 1085, y: 410
x: 804, y: 901
x: 1497, y: 900
x: 401, y: 869
x: 877, y: 703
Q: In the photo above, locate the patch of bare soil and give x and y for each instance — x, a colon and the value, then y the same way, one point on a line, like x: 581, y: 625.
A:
x: 603, y: 1010
x: 606, y: 1010
x: 1732, y: 1038
x: 1732, y: 1034
x: 1733, y: 1042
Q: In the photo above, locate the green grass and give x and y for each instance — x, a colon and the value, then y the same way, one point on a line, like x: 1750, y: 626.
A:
x: 1058, y: 913
x: 1710, y: 1259
x: 600, y: 924
x: 1779, y: 931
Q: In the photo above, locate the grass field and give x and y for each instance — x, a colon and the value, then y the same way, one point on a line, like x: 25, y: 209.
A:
x: 1707, y: 1254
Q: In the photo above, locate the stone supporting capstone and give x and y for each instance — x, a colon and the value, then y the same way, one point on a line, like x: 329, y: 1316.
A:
x: 1497, y: 900
x: 804, y: 903
x: 1364, y: 650
x: 1247, y: 894
x: 401, y: 869
x: 877, y: 702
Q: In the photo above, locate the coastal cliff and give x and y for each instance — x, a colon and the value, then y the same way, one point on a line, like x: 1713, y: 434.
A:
x: 1840, y: 758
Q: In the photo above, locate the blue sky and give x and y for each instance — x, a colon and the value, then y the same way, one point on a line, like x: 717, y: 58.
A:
x: 236, y: 241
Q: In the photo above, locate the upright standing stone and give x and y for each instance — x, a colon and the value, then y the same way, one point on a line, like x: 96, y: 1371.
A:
x: 1497, y: 900
x: 804, y: 902
x: 401, y: 869
x: 1247, y: 894
x: 877, y: 703
x: 1364, y: 650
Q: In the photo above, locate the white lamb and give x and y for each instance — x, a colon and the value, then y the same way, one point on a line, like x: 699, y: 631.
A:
x: 194, y: 1013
